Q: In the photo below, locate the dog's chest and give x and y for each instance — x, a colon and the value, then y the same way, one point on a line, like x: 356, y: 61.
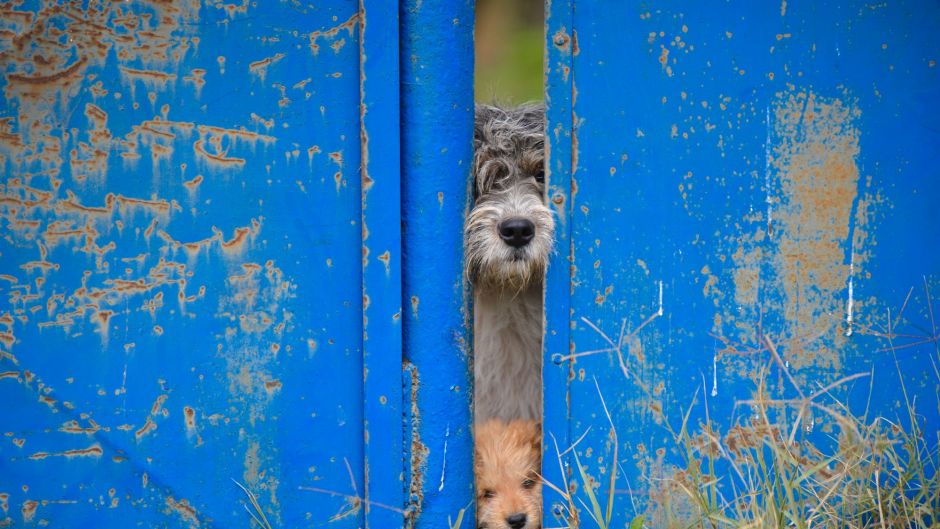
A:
x: 507, y: 347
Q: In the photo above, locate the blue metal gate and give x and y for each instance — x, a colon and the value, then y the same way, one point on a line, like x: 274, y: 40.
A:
x: 231, y: 246
x: 734, y: 179
x: 202, y: 265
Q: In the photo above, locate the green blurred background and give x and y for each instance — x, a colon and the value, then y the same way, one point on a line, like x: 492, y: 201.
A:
x: 508, y: 41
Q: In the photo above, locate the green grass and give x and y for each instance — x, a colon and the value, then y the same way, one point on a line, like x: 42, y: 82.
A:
x: 255, y: 511
x: 880, y: 472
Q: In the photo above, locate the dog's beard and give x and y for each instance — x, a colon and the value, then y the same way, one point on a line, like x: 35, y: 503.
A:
x: 491, y: 263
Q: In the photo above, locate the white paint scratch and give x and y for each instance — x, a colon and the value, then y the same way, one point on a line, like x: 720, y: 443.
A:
x: 660, y: 298
x: 715, y: 374
x: 444, y: 465
x: 850, y: 306
x: 124, y: 391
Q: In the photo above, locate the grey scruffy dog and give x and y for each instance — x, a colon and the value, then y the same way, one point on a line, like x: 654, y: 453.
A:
x: 509, y: 235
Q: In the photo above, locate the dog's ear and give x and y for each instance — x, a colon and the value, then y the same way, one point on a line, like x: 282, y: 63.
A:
x: 482, y: 116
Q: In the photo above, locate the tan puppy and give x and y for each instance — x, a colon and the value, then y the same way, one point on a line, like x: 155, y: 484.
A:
x: 507, y: 463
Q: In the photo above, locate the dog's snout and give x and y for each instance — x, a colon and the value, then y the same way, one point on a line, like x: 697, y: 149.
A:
x: 516, y: 521
x: 516, y: 232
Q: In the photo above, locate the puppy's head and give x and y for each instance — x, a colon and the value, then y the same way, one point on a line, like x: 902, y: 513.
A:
x: 510, y: 231
x: 507, y: 462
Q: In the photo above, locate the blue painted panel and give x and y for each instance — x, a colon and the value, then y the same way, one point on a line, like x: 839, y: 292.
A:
x: 182, y: 262
x: 381, y: 262
x: 437, y: 134
x: 738, y: 174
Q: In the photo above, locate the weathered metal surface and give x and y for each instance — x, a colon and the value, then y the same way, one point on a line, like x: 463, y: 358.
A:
x: 381, y: 261
x: 187, y: 246
x: 437, y: 128
x: 728, y: 174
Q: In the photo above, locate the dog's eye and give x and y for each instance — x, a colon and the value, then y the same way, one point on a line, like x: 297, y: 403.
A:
x: 487, y: 493
x: 540, y: 177
x: 528, y: 484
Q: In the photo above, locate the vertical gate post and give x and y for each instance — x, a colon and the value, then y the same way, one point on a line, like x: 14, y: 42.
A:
x: 436, y: 60
x: 556, y: 372
x: 381, y: 263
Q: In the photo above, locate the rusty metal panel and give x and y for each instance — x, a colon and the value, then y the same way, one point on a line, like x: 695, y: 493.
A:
x: 732, y: 175
x: 437, y: 143
x: 183, y: 262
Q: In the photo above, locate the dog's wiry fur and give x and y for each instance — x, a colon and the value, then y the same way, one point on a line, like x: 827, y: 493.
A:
x: 508, y: 171
x: 507, y: 462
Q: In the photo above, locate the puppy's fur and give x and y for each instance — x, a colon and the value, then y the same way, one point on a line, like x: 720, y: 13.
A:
x: 507, y: 463
x: 509, y: 183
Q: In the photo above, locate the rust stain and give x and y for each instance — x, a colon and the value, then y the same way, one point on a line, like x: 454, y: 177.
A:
x: 193, y: 184
x: 260, y: 68
x: 182, y: 508
x: 155, y: 410
x: 91, y: 451
x: 350, y: 25
x: 74, y: 427
x: 197, y: 79
x: 414, y: 306
x: 219, y: 158
x: 148, y: 427
x: 28, y: 510
x: 51, y: 79
x: 337, y: 158
x: 189, y: 419
x: 385, y: 258
x: 268, y: 124
x: 151, y: 78
x: 419, y: 451
x: 238, y: 240
x: 796, y: 260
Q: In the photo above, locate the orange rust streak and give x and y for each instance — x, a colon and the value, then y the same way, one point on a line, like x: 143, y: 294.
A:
x: 240, y: 234
x: 74, y: 206
x: 44, y: 79
x: 155, y: 132
x: 148, y: 427
x: 94, y: 111
x: 265, y: 62
x: 194, y: 183
x: 151, y: 74
x: 200, y: 149
x: 156, y: 123
x: 161, y: 205
x: 91, y: 451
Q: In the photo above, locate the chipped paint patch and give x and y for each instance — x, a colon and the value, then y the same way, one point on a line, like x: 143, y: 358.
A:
x: 419, y: 452
x: 792, y: 270
x: 28, y: 510
x: 183, y: 509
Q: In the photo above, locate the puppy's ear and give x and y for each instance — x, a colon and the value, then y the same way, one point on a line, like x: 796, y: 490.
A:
x: 535, y: 441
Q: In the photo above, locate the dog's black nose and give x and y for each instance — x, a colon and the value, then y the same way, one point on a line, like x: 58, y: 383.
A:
x: 516, y: 521
x: 516, y: 232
